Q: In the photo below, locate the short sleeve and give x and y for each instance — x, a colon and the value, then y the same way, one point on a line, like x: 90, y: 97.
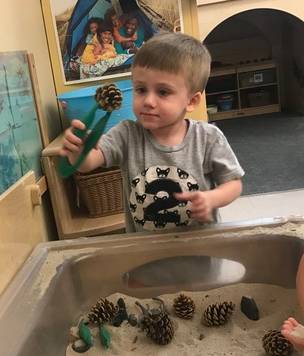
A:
x: 113, y: 145
x: 223, y: 163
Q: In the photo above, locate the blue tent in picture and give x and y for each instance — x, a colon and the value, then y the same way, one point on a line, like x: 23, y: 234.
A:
x: 85, y: 9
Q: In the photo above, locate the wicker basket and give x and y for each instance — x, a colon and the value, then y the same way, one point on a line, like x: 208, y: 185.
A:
x: 101, y: 191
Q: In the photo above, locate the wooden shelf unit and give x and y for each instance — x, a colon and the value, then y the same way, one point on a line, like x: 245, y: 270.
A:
x: 262, y: 84
x: 71, y: 221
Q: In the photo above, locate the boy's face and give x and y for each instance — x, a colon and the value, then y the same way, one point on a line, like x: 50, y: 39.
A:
x: 160, y: 99
x: 131, y: 26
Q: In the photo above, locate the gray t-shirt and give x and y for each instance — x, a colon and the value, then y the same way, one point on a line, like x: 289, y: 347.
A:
x: 152, y: 172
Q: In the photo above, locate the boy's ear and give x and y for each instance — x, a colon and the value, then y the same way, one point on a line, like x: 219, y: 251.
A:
x: 194, y: 101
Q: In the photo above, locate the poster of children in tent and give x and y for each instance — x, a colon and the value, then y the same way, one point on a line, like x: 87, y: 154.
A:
x: 98, y: 39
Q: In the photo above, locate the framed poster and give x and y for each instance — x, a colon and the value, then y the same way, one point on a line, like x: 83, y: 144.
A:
x: 97, y: 39
x: 20, y: 139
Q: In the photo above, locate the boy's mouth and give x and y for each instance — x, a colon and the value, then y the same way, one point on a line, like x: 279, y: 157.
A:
x: 146, y: 114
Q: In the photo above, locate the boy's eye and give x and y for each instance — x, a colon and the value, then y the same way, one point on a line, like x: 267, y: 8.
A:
x: 140, y: 90
x: 163, y: 92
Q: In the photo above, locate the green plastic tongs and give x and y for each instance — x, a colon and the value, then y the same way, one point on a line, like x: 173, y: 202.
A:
x: 65, y: 168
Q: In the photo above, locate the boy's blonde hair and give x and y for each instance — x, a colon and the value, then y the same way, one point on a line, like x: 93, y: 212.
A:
x: 177, y: 53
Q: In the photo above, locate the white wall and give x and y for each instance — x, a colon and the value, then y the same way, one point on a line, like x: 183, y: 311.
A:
x: 209, y: 16
x: 22, y: 28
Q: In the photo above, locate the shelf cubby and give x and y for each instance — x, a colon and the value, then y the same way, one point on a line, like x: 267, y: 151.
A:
x: 253, y: 89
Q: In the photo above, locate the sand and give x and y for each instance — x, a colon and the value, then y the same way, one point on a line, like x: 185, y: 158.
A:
x: 239, y: 337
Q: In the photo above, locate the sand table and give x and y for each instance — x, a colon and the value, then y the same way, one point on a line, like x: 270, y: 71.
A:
x: 12, y: 257
x: 239, y: 337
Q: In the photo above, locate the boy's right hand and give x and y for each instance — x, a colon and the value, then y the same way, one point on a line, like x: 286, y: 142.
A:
x: 72, y: 145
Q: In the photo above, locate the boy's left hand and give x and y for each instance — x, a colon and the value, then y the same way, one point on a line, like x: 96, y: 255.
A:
x: 201, y: 204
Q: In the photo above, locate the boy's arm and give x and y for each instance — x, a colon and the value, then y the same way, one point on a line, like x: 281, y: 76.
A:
x: 203, y: 203
x: 93, y: 160
x: 225, y: 193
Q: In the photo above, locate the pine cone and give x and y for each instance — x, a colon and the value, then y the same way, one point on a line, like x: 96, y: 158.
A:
x: 159, y: 328
x: 184, y: 307
x: 102, y: 311
x: 156, y: 323
x: 217, y: 314
x: 109, y: 97
x: 275, y: 344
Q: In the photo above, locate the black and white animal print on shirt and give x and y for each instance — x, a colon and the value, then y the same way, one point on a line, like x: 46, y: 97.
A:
x: 152, y: 203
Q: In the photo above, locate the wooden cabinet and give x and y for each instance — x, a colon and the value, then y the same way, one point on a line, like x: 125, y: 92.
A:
x: 245, y: 90
x: 72, y: 221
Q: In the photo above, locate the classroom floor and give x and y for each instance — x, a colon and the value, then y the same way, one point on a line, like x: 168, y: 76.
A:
x: 270, y: 205
x: 269, y: 148
x: 268, y: 191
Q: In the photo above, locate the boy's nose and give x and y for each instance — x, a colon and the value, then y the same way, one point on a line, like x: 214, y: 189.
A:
x: 150, y: 100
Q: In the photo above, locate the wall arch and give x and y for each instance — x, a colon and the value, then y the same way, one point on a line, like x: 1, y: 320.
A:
x: 282, y: 26
x: 212, y: 15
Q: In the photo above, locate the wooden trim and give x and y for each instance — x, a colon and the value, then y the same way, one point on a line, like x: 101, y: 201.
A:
x: 38, y: 103
x: 242, y: 68
x: 193, y: 27
x: 239, y: 92
x: 232, y: 114
x: 42, y: 183
x: 222, y: 71
x: 259, y: 86
x: 278, y: 87
x: 222, y: 92
x: 53, y: 148
x: 37, y: 190
x: 255, y: 66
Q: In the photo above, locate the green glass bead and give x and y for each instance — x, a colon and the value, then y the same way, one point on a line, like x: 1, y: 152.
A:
x: 105, y: 337
x: 85, y: 333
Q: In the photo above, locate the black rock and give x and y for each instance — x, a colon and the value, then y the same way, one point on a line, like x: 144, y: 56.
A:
x: 121, y: 304
x: 118, y: 319
x: 121, y: 313
x: 122, y: 309
x: 132, y: 320
x: 249, y: 308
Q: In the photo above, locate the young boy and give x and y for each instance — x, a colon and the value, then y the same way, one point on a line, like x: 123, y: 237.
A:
x: 176, y: 172
x: 291, y: 328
